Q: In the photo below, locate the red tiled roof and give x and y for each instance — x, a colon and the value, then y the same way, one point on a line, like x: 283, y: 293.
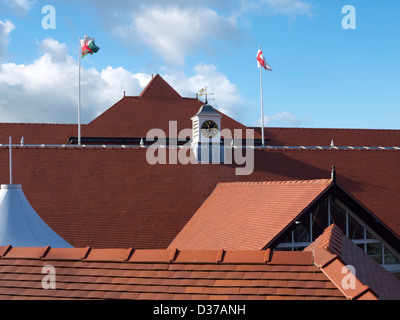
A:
x: 37, y: 133
x: 324, y: 136
x: 158, y: 88
x: 335, y: 255
x: 152, y: 109
x: 166, y: 275
x: 86, y: 273
x: 111, y: 197
x: 243, y: 215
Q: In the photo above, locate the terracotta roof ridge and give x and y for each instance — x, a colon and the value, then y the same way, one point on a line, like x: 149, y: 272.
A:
x: 331, y: 240
x: 281, y: 182
x: 327, y: 253
x: 170, y: 255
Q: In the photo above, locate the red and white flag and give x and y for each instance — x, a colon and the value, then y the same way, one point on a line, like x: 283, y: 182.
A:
x: 261, y: 62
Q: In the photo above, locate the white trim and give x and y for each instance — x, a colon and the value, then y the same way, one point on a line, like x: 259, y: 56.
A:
x: 365, y: 241
x: 372, y: 232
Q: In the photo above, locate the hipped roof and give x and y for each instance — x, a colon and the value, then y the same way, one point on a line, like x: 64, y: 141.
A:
x: 154, y: 108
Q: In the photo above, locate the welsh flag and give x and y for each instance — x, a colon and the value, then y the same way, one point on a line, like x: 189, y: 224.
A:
x: 261, y: 62
x: 88, y: 46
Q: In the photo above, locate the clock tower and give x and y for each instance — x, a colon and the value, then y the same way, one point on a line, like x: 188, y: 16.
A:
x: 206, y: 142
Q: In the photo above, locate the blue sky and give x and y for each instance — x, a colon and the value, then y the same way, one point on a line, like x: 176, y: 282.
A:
x: 323, y: 75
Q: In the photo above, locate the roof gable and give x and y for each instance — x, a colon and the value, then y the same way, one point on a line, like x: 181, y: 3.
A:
x: 158, y: 88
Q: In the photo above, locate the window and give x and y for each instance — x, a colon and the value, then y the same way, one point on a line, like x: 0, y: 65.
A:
x: 356, y: 231
x: 338, y: 216
x: 312, y: 225
x: 319, y: 220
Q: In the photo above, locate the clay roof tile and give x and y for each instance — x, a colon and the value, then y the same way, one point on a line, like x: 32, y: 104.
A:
x: 248, y: 215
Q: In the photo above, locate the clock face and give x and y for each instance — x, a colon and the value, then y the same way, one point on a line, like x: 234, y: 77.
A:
x: 209, y: 129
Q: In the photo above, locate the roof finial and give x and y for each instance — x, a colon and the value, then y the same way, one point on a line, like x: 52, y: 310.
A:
x: 333, y: 174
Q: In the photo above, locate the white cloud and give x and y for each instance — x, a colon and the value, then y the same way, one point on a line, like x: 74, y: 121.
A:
x: 5, y: 29
x: 57, y: 51
x: 225, y: 94
x: 174, y: 32
x: 47, y: 89
x: 176, y: 29
x: 21, y: 5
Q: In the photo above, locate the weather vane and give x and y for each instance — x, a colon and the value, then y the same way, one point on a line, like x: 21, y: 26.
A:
x: 204, y: 92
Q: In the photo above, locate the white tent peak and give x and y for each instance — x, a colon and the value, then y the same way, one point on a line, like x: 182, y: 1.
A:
x: 20, y: 225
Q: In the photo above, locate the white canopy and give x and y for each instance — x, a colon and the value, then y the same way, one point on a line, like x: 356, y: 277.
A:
x: 20, y: 225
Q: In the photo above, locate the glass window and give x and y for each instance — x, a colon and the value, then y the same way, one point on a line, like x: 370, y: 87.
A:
x: 356, y: 231
x: 370, y: 236
x: 301, y: 233
x: 374, y: 250
x: 320, y: 219
x: 283, y: 248
x: 338, y: 216
x: 390, y: 258
x: 361, y: 246
x: 287, y: 238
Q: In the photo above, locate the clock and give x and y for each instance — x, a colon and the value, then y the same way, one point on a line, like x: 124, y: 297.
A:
x: 209, y: 129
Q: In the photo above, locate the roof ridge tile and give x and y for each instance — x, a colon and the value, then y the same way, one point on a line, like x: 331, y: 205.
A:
x: 109, y: 255
x: 4, y: 250
x: 328, y: 258
x: 283, y: 182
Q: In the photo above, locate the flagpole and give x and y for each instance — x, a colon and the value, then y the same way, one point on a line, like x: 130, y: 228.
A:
x: 262, y: 111
x: 79, y: 94
x: 10, y: 143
